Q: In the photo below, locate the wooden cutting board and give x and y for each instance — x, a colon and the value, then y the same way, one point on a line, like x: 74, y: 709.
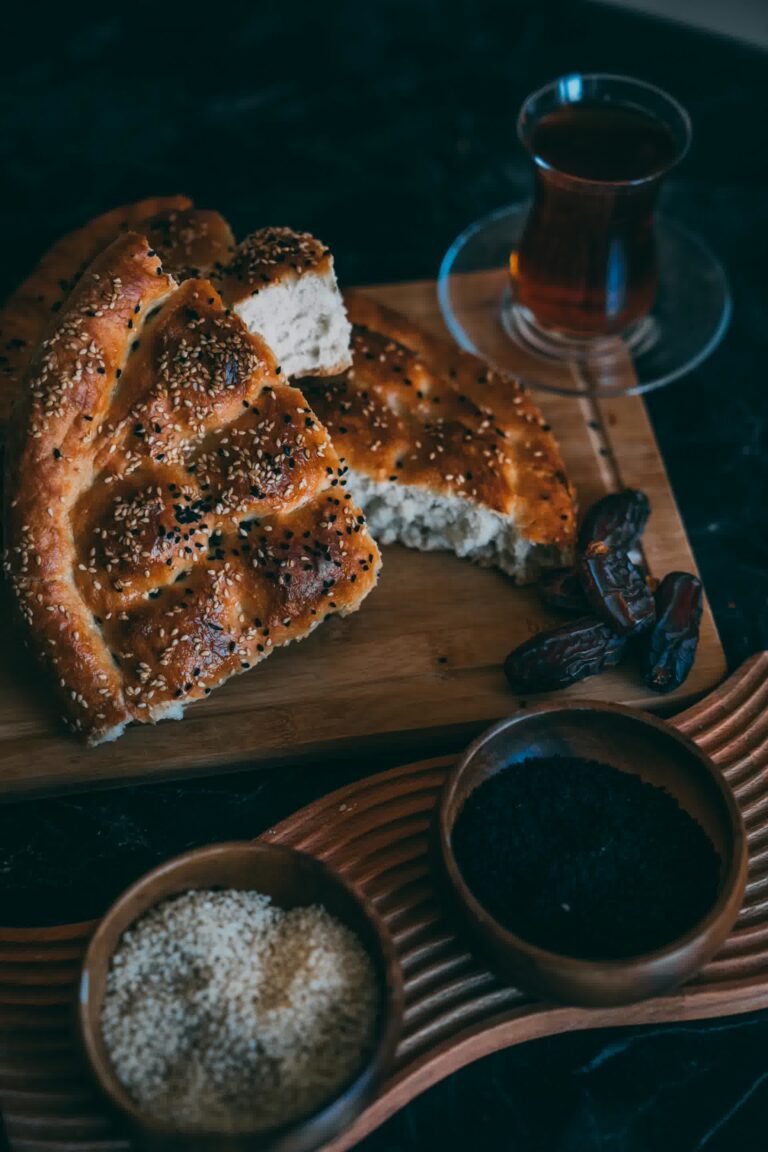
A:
x: 376, y: 832
x: 419, y: 666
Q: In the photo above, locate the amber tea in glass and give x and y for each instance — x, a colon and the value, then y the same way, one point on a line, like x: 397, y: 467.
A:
x: 586, y: 263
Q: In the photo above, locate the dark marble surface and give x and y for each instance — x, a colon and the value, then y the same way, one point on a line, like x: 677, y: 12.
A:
x: 386, y: 127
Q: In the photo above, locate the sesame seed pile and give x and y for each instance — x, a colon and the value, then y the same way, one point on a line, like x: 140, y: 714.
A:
x: 265, y: 1014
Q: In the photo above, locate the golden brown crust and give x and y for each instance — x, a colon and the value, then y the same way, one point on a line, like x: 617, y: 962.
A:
x: 415, y: 409
x: 271, y: 255
x: 189, y: 241
x: 175, y: 511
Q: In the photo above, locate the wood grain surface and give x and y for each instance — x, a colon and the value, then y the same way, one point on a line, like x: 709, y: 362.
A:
x: 375, y: 832
x: 419, y: 667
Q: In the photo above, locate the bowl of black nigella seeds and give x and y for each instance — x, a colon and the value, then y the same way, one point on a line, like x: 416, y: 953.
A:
x: 595, y: 853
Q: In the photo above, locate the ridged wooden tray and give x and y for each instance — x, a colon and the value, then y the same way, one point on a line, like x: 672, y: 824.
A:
x: 375, y: 833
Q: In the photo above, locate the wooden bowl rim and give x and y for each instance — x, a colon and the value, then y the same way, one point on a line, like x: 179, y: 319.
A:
x: 373, y: 1069
x: 716, y: 923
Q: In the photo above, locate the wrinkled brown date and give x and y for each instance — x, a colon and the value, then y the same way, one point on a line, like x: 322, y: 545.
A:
x: 561, y: 657
x: 560, y: 589
x: 617, y: 520
x: 673, y: 641
x: 615, y: 589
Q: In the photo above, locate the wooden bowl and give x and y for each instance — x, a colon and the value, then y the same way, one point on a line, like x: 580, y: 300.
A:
x: 633, y: 742
x: 292, y: 879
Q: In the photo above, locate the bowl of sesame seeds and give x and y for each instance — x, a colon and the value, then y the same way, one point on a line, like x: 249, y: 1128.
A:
x: 241, y: 996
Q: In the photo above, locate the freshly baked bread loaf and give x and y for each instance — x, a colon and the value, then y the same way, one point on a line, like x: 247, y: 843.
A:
x: 283, y: 286
x: 174, y: 509
x: 442, y: 451
x: 190, y: 242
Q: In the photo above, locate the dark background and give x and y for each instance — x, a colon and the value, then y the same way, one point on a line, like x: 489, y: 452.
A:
x: 386, y: 128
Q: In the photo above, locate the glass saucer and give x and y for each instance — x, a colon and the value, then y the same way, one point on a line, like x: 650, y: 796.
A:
x: 688, y: 320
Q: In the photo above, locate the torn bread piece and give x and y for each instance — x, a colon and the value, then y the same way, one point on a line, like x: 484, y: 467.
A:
x: 189, y: 241
x: 283, y: 286
x: 443, y: 452
x: 175, y: 511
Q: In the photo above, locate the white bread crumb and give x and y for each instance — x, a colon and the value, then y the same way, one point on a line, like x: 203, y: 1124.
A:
x: 432, y: 521
x: 303, y: 320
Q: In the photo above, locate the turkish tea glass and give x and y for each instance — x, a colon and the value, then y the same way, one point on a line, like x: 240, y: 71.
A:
x: 585, y: 289
x: 600, y: 146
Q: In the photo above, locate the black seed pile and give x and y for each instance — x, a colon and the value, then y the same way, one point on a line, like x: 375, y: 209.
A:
x: 582, y: 859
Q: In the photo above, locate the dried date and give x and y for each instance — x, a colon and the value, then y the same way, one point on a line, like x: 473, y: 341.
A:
x: 617, y: 520
x: 616, y: 589
x: 560, y: 589
x: 672, y: 643
x: 564, y: 655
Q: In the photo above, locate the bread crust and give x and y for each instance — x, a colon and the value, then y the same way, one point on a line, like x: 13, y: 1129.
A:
x: 174, y: 510
x: 269, y: 256
x: 189, y: 241
x: 417, y: 410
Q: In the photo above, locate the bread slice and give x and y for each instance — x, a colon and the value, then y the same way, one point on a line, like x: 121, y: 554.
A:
x: 174, y: 509
x: 444, y: 453
x: 189, y: 241
x: 283, y: 286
